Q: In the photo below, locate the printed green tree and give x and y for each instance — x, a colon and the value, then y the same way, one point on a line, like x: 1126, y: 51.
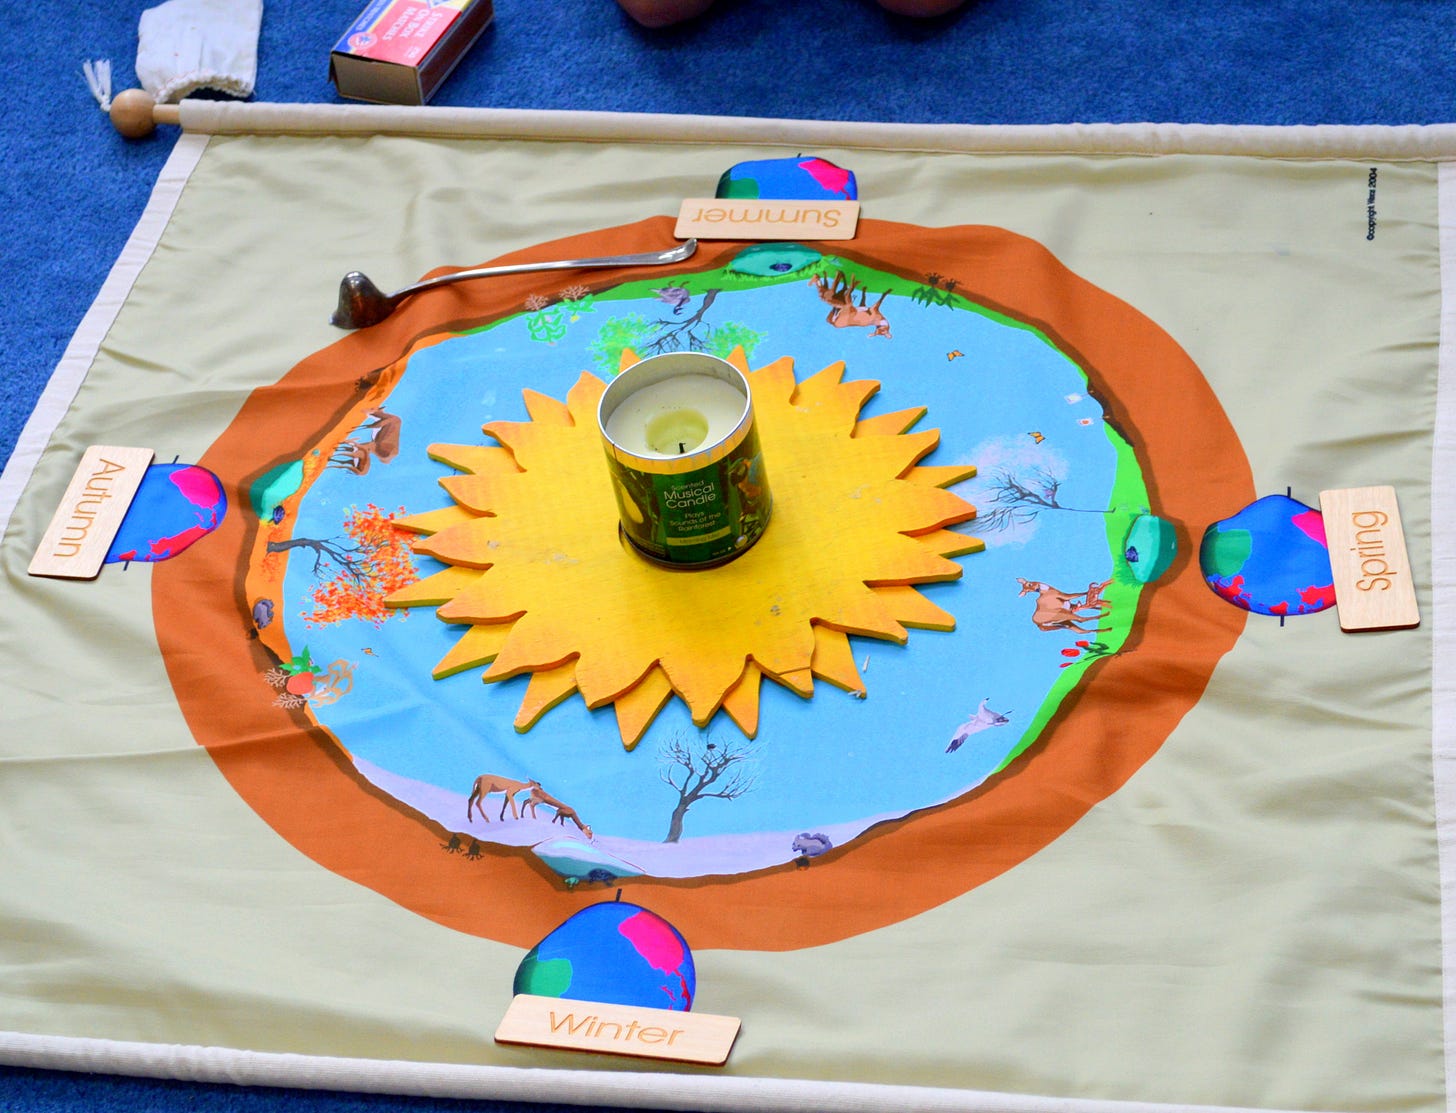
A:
x: 656, y: 337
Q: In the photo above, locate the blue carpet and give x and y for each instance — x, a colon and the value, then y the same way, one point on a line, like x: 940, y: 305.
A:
x: 73, y: 189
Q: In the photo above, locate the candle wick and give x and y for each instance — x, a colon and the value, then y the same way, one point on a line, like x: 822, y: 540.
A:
x: 681, y: 448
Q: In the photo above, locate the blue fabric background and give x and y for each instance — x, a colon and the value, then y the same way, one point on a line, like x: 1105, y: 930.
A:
x: 72, y: 189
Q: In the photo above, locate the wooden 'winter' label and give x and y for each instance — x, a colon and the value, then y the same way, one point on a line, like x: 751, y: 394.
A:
x: 680, y: 1037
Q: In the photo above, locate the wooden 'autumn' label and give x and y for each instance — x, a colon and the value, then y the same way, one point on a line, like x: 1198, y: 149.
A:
x: 75, y: 544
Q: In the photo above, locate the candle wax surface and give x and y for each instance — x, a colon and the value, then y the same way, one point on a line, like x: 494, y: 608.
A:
x: 694, y: 411
x: 677, y: 431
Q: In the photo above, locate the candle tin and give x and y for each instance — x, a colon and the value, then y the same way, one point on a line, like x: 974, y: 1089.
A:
x: 704, y: 505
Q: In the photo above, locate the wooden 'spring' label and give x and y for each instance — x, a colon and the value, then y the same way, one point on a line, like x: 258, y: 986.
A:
x: 1374, y: 588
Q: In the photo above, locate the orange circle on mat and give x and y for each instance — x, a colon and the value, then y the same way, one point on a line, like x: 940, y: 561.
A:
x: 300, y: 780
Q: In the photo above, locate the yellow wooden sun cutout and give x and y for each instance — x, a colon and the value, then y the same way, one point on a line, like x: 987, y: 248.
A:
x: 538, y: 575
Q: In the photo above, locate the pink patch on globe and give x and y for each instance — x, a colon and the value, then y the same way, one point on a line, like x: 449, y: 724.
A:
x: 1312, y: 524
x: 831, y: 177
x: 654, y: 939
x: 659, y: 943
x: 198, y: 486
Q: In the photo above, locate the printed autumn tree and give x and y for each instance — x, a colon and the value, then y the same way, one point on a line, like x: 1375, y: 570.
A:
x: 356, y: 575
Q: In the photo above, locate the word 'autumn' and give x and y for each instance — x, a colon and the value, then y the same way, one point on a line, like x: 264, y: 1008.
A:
x: 83, y: 514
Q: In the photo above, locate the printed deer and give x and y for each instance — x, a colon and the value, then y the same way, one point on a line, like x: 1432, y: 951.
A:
x: 563, y: 811
x: 383, y: 444
x: 353, y: 458
x: 1065, y: 610
x: 488, y: 784
x: 845, y: 313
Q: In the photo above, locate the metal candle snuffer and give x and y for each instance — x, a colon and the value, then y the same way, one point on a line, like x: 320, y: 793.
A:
x: 685, y: 461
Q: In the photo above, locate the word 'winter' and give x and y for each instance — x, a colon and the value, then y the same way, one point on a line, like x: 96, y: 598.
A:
x: 592, y: 1027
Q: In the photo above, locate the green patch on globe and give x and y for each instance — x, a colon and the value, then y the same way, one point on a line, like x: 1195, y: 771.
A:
x: 543, y: 977
x: 1225, y: 551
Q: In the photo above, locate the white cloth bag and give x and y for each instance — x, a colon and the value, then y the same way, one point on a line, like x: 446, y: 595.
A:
x: 184, y: 45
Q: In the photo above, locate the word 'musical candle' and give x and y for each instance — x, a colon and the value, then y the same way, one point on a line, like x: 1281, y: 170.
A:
x: 684, y: 458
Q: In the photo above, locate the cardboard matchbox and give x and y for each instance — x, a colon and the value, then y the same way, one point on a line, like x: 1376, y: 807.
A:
x: 399, y: 51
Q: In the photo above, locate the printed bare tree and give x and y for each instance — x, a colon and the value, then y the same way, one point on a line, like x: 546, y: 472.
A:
x: 1018, y: 498
x: 701, y: 769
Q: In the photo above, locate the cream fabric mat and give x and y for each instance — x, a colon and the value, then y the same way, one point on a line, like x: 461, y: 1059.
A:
x: 152, y: 924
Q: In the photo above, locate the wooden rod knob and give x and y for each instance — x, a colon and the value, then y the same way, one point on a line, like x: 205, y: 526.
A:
x: 136, y: 115
x: 131, y: 113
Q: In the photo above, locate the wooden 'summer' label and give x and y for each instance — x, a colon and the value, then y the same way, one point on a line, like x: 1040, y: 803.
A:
x: 680, y: 1037
x: 1374, y: 589
x: 74, y: 546
x: 722, y: 218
